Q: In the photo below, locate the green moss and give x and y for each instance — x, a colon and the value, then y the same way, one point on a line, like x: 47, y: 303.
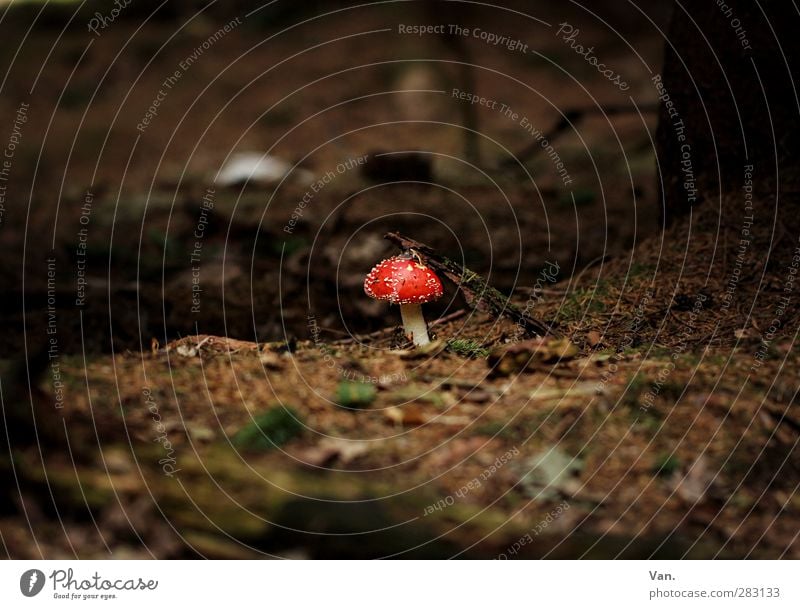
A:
x: 585, y: 301
x: 659, y: 353
x: 495, y: 428
x: 351, y: 394
x: 269, y: 429
x: 639, y: 268
x: 666, y: 465
x: 466, y: 347
x: 327, y: 349
x: 633, y: 391
x: 651, y: 422
x: 416, y: 393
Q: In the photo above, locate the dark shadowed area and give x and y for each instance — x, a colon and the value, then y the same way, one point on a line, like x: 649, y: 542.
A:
x: 191, y: 197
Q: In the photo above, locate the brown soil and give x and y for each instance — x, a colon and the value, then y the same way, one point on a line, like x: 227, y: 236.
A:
x: 667, y: 426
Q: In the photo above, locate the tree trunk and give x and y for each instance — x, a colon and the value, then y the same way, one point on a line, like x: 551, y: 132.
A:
x: 729, y: 102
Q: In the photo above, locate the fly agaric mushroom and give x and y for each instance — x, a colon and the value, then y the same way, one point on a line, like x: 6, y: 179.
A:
x: 405, y: 281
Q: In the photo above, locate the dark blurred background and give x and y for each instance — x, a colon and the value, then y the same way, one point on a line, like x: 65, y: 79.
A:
x: 311, y: 85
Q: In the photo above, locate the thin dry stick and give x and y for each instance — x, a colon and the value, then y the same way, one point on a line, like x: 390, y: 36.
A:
x: 477, y: 292
x: 359, y: 337
x: 568, y: 119
x: 446, y: 318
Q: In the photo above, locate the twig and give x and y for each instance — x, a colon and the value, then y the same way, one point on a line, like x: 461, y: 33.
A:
x: 334, y: 331
x: 781, y: 418
x: 460, y: 383
x: 360, y: 337
x: 446, y: 318
x: 478, y: 294
x: 567, y: 120
x: 545, y: 291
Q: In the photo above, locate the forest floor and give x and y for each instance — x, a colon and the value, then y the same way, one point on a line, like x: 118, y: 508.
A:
x: 665, y: 425
x: 288, y: 416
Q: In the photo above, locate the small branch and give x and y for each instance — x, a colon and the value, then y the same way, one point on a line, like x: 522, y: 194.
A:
x: 781, y: 418
x: 447, y: 318
x: 360, y: 337
x: 568, y: 120
x: 477, y: 292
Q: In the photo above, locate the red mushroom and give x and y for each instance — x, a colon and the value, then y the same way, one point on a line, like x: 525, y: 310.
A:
x: 407, y: 282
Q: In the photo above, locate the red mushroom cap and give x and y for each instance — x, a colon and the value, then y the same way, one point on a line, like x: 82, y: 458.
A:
x: 403, y: 280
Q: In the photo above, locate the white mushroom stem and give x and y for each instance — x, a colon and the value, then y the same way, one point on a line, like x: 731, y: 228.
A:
x: 414, y: 324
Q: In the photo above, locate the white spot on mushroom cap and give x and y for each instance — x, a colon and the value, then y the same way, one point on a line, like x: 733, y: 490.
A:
x: 377, y: 274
